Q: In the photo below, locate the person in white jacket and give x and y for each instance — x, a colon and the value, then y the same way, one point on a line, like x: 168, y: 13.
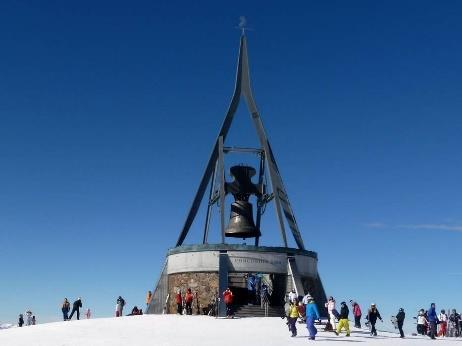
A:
x: 28, y: 318
x: 292, y: 296
x: 330, y: 305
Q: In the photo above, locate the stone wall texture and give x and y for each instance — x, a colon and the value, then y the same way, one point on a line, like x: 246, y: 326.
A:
x: 204, y: 284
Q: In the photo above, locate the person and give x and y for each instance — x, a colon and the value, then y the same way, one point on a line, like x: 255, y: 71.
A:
x: 76, y: 308
x: 188, y: 301
x: 292, y: 295
x: 400, y: 320
x: 343, y: 320
x: 179, y: 302
x: 330, y: 305
x: 21, y: 320
x: 443, y: 318
x: 148, y: 298
x: 372, y: 315
x: 312, y: 314
x: 88, y: 314
x: 135, y: 311
x: 33, y: 320
x: 251, y: 289
x: 120, y: 306
x: 356, y: 313
x: 293, y: 316
x: 421, y: 322
x: 228, y: 299
x: 264, y: 299
x: 432, y: 320
x: 454, y: 324
x: 66, y: 307
x: 28, y: 318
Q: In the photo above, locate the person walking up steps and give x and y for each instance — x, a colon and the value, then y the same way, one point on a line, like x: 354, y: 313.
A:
x: 400, y: 320
x: 343, y: 319
x: 312, y: 314
x: 356, y: 313
x: 66, y: 307
x: 120, y: 306
x: 76, y: 308
x: 372, y: 315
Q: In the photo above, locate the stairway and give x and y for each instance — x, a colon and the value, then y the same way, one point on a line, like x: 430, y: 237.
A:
x: 258, y: 311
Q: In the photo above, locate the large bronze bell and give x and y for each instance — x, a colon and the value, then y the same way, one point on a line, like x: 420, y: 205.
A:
x: 241, y: 223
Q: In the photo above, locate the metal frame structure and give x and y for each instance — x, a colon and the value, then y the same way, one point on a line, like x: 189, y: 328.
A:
x: 214, y: 172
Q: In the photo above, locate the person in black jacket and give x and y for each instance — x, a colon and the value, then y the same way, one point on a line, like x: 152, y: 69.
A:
x: 372, y: 316
x: 76, y: 308
x: 400, y: 320
x: 21, y: 320
x: 343, y: 319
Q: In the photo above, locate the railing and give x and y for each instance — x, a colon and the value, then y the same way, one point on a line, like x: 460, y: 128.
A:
x: 159, y: 300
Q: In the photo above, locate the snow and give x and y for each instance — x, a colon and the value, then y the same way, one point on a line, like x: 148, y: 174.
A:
x: 188, y: 330
x: 6, y: 325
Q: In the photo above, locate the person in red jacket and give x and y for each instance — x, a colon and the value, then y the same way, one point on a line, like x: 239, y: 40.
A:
x: 356, y: 313
x: 188, y: 301
x: 228, y: 298
x: 179, y: 302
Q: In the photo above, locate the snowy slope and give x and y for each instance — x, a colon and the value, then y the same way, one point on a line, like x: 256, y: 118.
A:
x: 186, y: 330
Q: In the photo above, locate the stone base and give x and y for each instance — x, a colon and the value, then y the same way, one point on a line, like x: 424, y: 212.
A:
x: 204, y: 284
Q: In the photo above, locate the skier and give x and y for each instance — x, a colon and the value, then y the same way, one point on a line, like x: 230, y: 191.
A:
x: 21, y: 320
x: 76, y: 308
x: 356, y: 313
x: 148, y: 298
x: 179, y: 302
x: 28, y: 318
x: 443, y: 318
x: 65, y: 308
x: 400, y: 319
x: 292, y: 295
x: 330, y: 305
x: 228, y: 299
x: 293, y: 316
x: 312, y: 314
x: 432, y: 320
x: 343, y: 320
x: 372, y: 316
x: 120, y: 306
x: 33, y: 320
x: 88, y: 314
x: 188, y: 300
x: 421, y: 322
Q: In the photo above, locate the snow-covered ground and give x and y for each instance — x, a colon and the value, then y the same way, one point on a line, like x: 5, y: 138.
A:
x: 187, y: 330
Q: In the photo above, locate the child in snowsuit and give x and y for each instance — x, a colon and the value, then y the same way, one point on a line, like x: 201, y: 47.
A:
x: 343, y: 319
x: 312, y: 314
x: 293, y: 316
x: 179, y: 302
x: 400, y: 320
x: 372, y: 315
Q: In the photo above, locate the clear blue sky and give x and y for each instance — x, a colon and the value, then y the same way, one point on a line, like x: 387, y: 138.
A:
x: 108, y: 113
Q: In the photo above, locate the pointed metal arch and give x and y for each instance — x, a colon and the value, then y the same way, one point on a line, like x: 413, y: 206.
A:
x: 282, y: 204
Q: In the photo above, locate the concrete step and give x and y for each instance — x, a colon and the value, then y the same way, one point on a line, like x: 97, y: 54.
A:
x: 258, y: 311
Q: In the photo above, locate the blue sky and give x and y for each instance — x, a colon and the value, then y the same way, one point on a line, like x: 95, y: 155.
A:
x: 108, y: 113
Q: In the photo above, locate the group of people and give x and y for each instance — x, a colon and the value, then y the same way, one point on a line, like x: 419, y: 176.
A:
x: 431, y: 324
x: 30, y: 319
x: 184, y: 302
x: 76, y: 306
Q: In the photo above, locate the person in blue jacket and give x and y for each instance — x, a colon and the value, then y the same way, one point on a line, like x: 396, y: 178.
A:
x: 312, y: 314
x: 432, y: 320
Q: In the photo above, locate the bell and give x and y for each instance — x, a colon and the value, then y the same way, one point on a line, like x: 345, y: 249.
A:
x: 241, y: 223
